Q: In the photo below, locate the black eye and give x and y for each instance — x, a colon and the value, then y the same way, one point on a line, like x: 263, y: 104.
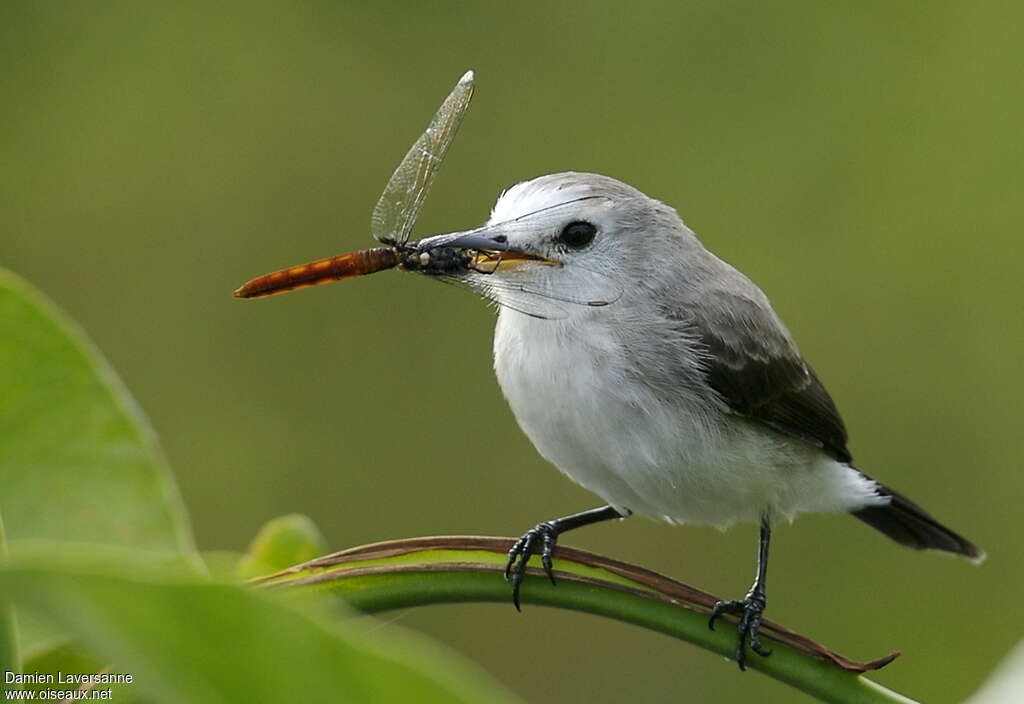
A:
x: 577, y: 234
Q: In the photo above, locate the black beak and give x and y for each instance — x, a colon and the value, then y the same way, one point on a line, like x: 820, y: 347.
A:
x: 473, y: 239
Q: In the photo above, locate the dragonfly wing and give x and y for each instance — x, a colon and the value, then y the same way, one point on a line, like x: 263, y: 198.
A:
x: 400, y: 203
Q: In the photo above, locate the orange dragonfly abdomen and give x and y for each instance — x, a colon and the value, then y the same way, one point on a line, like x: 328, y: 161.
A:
x: 322, y: 271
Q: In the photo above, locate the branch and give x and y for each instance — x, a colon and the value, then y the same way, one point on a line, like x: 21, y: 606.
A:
x: 448, y: 569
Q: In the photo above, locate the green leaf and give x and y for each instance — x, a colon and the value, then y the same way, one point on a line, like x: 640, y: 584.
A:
x: 222, y: 564
x: 188, y: 640
x: 78, y: 460
x: 282, y: 542
x: 69, y: 658
x: 10, y: 660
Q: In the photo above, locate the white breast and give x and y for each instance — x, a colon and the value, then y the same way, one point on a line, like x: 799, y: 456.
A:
x: 574, y: 393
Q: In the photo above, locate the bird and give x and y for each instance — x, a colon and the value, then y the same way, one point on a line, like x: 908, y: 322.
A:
x: 659, y: 377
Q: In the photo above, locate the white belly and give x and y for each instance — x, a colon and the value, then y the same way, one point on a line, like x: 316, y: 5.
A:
x: 577, y: 400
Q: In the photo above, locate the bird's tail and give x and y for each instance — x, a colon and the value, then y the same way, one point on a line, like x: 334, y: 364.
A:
x: 909, y: 524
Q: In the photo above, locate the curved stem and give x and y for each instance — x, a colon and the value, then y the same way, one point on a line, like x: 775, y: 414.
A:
x: 419, y: 571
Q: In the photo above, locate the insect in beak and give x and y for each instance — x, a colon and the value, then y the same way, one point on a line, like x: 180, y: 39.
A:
x: 488, y: 253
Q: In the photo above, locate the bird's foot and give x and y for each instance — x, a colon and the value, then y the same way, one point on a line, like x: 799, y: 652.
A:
x: 543, y: 535
x: 749, y: 611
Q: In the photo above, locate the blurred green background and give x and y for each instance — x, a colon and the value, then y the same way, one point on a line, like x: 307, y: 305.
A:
x: 861, y: 162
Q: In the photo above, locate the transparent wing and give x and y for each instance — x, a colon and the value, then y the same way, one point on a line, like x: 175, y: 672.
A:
x: 400, y: 203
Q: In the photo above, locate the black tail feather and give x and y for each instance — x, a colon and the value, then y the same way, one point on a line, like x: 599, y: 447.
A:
x: 909, y: 524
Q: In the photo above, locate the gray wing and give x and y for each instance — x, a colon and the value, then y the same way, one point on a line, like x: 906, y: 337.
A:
x: 758, y: 371
x: 400, y: 203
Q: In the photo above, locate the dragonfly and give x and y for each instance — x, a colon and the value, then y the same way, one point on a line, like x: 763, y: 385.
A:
x: 393, y: 217
x: 465, y: 259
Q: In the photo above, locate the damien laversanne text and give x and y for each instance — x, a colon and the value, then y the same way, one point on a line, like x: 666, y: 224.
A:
x: 66, y: 678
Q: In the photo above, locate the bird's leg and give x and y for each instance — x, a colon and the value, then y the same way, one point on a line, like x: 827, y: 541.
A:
x: 545, y: 535
x: 749, y: 609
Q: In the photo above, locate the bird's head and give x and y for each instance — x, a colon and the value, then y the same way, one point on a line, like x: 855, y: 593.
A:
x: 562, y: 244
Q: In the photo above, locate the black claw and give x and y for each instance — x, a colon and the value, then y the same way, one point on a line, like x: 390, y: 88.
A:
x: 546, y: 535
x: 723, y: 607
x: 513, y: 553
x: 519, y: 556
x: 547, y: 550
x: 749, y: 611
